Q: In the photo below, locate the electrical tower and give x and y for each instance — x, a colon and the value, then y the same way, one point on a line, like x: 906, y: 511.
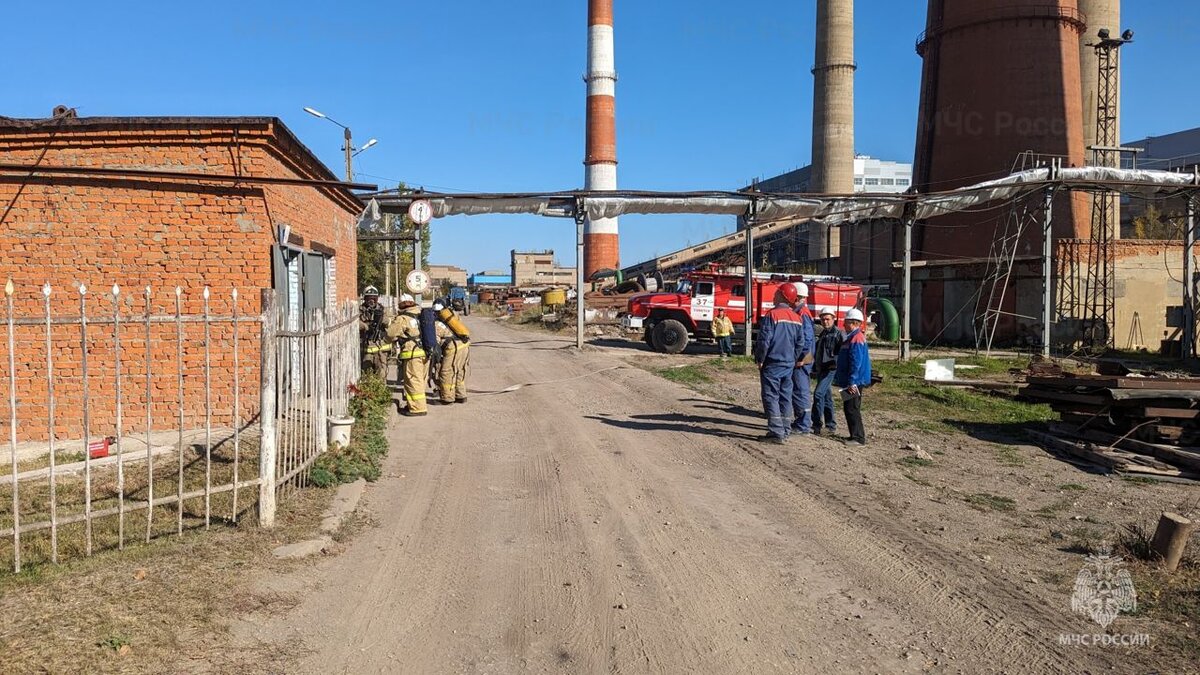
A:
x: 1098, y: 297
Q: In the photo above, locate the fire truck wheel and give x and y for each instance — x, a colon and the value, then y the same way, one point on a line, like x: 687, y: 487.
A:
x: 648, y: 338
x: 670, y: 336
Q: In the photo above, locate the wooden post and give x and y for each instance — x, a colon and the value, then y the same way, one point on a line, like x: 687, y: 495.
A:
x: 266, y: 412
x: 1170, y: 539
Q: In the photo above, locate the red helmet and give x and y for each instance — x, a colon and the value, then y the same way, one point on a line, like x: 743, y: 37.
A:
x: 789, y: 293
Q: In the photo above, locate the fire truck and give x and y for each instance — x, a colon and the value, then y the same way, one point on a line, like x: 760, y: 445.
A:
x: 668, y: 321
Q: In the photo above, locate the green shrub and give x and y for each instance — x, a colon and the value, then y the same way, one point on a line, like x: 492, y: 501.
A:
x: 363, y: 457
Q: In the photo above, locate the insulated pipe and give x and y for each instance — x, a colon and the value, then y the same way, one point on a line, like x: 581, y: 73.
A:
x: 602, y: 249
x: 833, y: 117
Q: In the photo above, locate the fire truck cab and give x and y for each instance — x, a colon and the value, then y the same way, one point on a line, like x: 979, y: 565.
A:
x: 669, y: 321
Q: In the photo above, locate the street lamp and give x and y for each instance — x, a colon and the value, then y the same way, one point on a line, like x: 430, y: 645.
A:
x: 348, y: 145
x: 364, y: 147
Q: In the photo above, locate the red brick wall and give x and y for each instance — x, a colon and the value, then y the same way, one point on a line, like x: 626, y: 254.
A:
x: 98, y: 231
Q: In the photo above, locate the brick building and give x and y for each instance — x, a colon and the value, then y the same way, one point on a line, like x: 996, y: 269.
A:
x: 538, y: 269
x: 439, y: 274
x: 188, y: 202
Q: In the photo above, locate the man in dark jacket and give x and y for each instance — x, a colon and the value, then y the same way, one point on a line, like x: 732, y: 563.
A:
x: 776, y: 351
x: 828, y: 344
x: 853, y: 376
x: 802, y: 374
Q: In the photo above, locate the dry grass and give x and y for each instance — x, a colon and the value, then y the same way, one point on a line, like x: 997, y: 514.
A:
x: 160, y: 607
x: 34, y: 498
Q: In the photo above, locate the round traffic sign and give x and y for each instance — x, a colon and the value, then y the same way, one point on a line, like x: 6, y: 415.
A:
x: 420, y: 212
x: 417, y: 281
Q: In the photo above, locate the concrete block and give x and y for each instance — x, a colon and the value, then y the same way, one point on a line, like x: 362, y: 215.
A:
x: 344, y: 503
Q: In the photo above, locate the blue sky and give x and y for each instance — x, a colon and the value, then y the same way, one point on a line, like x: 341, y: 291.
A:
x: 486, y: 96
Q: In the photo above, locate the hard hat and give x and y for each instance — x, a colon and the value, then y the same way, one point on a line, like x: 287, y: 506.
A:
x: 788, y: 293
x: 371, y: 290
x: 407, y: 298
x: 854, y: 315
x: 437, y: 306
x: 828, y: 311
x: 801, y: 289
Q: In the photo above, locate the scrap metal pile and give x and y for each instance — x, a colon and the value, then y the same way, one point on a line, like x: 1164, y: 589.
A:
x: 1123, y: 423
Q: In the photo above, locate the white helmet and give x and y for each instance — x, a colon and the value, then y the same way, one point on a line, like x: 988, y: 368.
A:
x: 801, y: 289
x: 827, y: 311
x: 370, y: 290
x: 407, y: 298
x: 854, y: 315
x: 437, y: 307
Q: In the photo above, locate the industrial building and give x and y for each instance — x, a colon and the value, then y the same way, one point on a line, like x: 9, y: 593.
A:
x: 870, y: 175
x: 538, y: 269
x: 447, y: 274
x: 490, y: 280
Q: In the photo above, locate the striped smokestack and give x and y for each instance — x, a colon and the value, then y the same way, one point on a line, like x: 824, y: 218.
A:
x: 833, y: 116
x: 601, y: 241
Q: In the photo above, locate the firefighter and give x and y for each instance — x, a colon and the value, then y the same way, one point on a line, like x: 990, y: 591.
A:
x: 776, y: 351
x: 405, y: 331
x: 455, y: 341
x: 372, y: 332
x: 853, y: 376
x: 802, y: 374
x: 722, y: 329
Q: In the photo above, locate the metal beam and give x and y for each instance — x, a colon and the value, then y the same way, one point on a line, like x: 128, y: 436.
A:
x: 1047, y: 271
x: 752, y: 303
x: 1189, y: 281
x: 580, y: 305
x: 906, y: 294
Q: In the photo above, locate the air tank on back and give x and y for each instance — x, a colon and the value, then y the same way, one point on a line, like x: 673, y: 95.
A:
x: 1000, y: 91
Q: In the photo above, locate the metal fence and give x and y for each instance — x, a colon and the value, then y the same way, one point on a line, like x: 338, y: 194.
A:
x: 134, y: 416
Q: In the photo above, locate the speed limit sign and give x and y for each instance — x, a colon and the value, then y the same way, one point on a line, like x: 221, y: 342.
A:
x: 420, y: 212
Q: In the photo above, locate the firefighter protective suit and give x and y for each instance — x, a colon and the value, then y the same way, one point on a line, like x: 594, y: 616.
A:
x: 452, y: 373
x: 405, y: 331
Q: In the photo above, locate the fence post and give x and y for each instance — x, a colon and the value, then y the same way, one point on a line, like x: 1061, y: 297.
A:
x: 323, y: 371
x: 266, y: 412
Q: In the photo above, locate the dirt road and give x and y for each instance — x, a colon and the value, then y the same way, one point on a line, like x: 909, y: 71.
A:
x: 611, y: 521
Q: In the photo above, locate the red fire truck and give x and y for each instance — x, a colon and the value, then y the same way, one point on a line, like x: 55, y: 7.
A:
x: 668, y: 321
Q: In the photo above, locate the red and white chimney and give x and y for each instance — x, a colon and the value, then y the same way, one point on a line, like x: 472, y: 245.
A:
x: 601, y: 239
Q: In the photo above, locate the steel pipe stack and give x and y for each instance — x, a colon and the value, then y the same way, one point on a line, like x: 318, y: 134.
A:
x: 833, y: 116
x: 601, y: 238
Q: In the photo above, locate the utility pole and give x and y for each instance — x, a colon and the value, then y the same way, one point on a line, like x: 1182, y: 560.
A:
x: 349, y: 149
x: 1047, y: 266
x: 752, y: 302
x: 906, y: 291
x: 1189, y: 277
x: 580, y: 276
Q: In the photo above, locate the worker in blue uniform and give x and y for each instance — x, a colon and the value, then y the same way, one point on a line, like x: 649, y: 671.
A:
x: 802, y: 374
x: 853, y: 376
x: 776, y: 347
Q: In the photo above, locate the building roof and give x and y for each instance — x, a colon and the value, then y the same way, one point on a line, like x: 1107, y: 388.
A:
x: 14, y: 126
x: 1172, y: 151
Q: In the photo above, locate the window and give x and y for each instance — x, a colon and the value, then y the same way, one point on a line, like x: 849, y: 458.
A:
x: 902, y: 181
x: 738, y: 291
x: 858, y: 181
x: 888, y: 181
x: 704, y: 288
x: 872, y: 181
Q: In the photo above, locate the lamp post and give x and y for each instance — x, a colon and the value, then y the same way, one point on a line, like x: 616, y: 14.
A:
x: 348, y: 146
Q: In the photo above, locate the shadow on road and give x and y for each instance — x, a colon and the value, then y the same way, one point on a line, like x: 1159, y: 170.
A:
x: 619, y: 343
x: 682, y: 423
x: 721, y: 406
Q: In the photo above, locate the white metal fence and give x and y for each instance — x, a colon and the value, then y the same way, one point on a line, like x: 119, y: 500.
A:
x: 133, y: 416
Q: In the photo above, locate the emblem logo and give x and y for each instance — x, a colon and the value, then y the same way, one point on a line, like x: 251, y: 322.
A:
x: 1103, y: 589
